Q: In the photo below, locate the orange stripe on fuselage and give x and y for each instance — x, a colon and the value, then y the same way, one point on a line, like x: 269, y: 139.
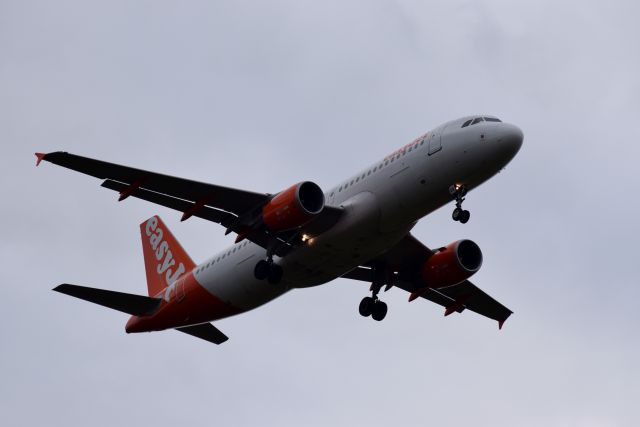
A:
x: 185, y: 302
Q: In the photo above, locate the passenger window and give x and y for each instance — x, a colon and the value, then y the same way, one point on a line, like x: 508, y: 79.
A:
x: 467, y: 123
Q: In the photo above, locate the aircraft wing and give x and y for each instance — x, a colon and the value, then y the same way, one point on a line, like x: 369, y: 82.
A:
x: 227, y: 206
x: 225, y: 198
x: 405, y: 260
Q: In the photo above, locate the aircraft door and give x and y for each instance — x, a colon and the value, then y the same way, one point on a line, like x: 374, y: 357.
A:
x: 435, y: 142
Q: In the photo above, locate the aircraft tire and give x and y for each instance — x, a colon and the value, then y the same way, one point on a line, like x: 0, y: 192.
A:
x: 366, y: 306
x: 379, y: 311
x: 457, y: 213
x: 261, y: 270
x: 464, y: 217
x: 275, y: 274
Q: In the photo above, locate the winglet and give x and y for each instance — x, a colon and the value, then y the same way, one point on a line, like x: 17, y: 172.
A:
x: 40, y: 157
x: 500, y: 323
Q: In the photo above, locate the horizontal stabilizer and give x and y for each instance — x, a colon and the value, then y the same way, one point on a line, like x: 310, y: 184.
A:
x: 137, y: 305
x: 205, y: 331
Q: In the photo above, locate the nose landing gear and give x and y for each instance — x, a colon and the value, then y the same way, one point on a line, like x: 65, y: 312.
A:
x: 458, y: 192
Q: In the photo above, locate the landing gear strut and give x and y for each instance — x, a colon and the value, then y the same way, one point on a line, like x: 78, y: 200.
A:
x: 372, y: 306
x: 458, y: 192
x: 267, y: 269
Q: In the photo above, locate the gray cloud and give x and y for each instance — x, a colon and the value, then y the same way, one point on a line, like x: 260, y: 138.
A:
x: 259, y: 95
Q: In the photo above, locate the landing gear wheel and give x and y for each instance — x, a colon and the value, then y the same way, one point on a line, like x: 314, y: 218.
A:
x: 458, y: 192
x: 261, y: 270
x: 464, y: 217
x: 275, y: 274
x: 366, y: 306
x: 379, y: 311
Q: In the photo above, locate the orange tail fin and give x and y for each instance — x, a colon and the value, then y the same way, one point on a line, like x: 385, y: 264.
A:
x: 164, y: 259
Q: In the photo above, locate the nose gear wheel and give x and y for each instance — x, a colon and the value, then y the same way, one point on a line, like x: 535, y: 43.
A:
x: 458, y: 192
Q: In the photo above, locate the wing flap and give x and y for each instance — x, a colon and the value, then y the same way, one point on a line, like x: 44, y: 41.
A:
x: 205, y: 212
x: 226, y: 219
x: 205, y: 331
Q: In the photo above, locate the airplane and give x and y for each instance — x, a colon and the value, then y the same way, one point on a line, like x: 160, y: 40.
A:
x: 303, y: 237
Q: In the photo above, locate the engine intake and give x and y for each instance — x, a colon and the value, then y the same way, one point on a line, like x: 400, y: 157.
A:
x: 293, y: 207
x: 452, y: 265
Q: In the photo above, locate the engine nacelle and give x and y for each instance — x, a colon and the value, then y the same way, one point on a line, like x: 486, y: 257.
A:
x: 455, y: 263
x: 293, y: 207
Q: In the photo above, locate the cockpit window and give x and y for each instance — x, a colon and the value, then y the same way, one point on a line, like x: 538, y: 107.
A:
x: 492, y: 119
x: 476, y: 120
x: 467, y: 123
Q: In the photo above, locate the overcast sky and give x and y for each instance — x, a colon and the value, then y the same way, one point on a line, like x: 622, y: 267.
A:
x: 260, y: 95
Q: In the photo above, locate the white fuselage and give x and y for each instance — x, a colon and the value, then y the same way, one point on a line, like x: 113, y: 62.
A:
x: 382, y: 203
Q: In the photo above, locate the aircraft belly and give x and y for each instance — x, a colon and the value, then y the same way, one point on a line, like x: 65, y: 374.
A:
x: 356, y: 239
x: 233, y: 282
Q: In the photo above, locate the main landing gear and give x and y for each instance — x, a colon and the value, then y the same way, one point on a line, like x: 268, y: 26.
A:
x: 458, y: 192
x: 372, y: 306
x: 267, y: 269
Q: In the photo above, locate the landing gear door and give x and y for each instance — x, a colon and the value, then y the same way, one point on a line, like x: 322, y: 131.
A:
x: 434, y: 139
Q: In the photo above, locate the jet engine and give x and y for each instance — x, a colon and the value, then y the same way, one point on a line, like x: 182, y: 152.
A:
x: 293, y: 207
x: 452, y: 264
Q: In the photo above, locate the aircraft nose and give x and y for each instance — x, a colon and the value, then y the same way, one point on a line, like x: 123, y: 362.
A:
x: 510, y: 139
x: 513, y: 136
